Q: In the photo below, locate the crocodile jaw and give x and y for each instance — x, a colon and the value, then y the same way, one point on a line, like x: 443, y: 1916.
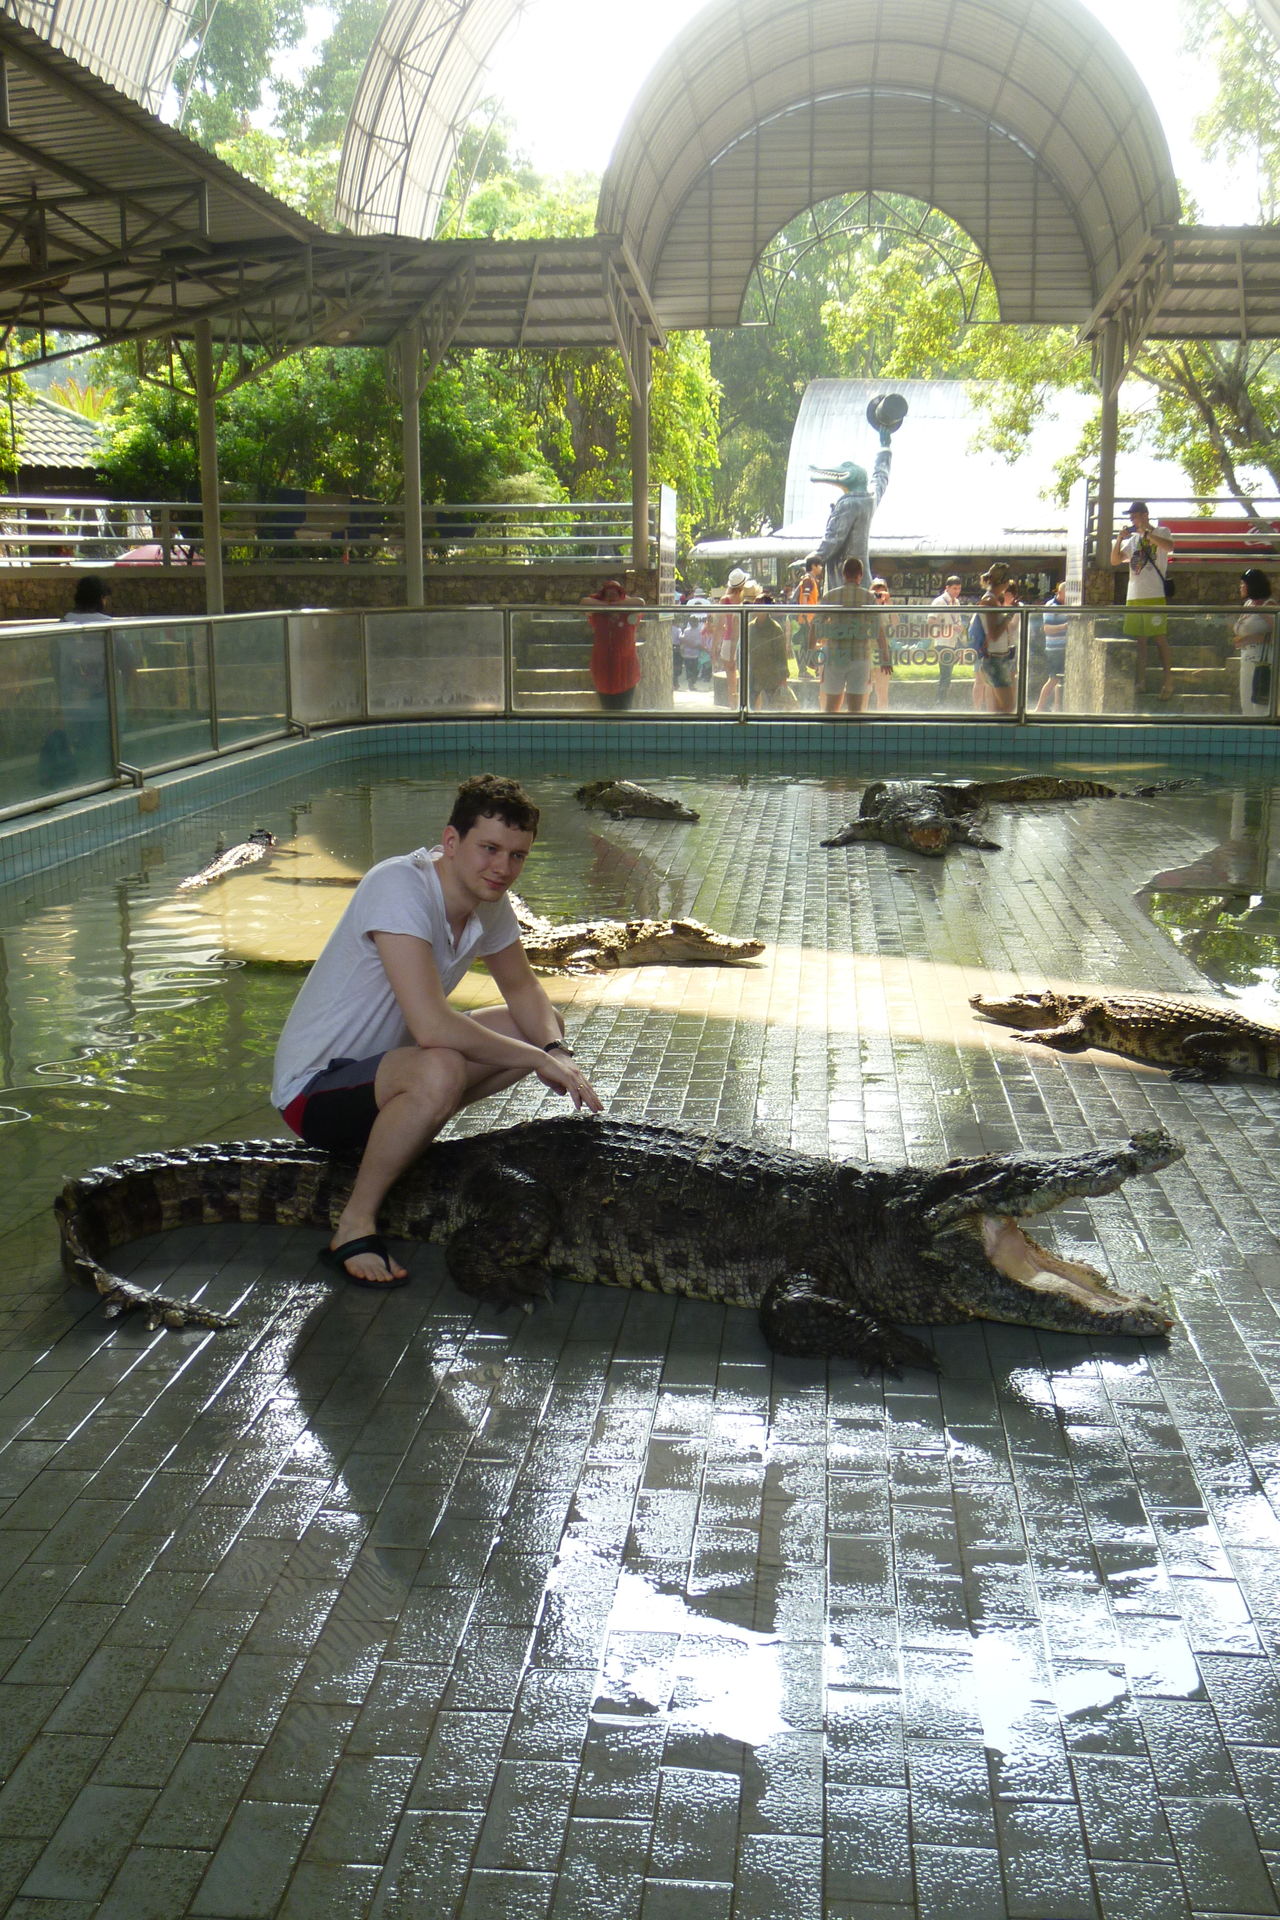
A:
x: 1025, y: 1011
x: 1070, y: 1287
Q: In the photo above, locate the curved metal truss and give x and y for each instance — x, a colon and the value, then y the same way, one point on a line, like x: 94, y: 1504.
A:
x: 133, y: 44
x: 422, y: 79
x: 867, y: 213
x: 1022, y: 120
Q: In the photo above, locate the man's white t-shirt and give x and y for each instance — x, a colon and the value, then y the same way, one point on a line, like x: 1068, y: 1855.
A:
x: 346, y: 1009
x: 1146, y: 581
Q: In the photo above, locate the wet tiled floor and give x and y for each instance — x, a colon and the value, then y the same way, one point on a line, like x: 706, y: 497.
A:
x: 390, y: 1607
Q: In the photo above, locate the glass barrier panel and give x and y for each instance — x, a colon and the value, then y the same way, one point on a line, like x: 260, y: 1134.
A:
x: 604, y: 659
x: 249, y: 674
x: 1153, y: 663
x: 434, y: 660
x: 162, y: 692
x: 899, y: 659
x: 326, y: 667
x: 54, y: 724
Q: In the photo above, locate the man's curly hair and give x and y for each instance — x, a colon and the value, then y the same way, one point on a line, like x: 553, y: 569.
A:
x: 486, y: 794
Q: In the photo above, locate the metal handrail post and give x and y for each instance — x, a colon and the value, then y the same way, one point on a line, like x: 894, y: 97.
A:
x: 211, y: 660
x: 113, y: 713
x: 508, y: 666
x: 744, y: 668
x: 288, y: 669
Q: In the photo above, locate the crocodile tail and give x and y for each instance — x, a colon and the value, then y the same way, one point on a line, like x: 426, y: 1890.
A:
x: 258, y: 1182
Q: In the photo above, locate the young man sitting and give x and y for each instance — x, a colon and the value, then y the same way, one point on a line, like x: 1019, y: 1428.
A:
x: 373, y: 1060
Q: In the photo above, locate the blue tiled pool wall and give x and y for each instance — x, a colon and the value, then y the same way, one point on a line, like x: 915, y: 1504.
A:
x: 89, y: 829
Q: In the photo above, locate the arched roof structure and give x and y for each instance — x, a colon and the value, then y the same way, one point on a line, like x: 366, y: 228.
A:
x: 420, y: 83
x: 132, y: 44
x: 1023, y: 120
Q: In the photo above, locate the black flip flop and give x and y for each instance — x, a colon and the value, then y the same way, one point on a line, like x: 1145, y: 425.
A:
x: 337, y: 1257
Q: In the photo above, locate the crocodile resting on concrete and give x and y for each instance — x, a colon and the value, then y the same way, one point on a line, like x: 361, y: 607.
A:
x: 622, y: 799
x: 598, y: 946
x: 830, y: 1255
x: 928, y: 816
x: 1196, y: 1040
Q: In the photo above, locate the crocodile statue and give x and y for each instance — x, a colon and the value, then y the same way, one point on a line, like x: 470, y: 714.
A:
x: 928, y: 816
x: 598, y: 946
x: 622, y: 799
x: 831, y: 1255
x: 1197, y: 1040
x: 243, y: 854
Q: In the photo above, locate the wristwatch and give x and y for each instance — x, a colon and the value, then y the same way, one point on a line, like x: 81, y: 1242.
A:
x: 558, y: 1046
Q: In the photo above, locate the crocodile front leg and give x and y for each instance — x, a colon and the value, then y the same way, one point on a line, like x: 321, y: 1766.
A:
x: 1203, y: 1059
x: 496, y: 1251
x: 1071, y: 1037
x: 804, y: 1315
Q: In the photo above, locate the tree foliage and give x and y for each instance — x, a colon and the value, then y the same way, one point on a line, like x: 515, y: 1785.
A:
x: 221, y: 74
x: 326, y: 421
x: 313, y: 109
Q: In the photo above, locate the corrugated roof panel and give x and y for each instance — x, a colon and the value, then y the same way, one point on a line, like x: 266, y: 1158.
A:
x: 419, y: 85
x: 957, y: 102
x: 132, y: 44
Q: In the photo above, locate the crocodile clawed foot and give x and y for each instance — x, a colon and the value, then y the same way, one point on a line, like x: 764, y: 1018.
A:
x: 496, y: 1284
x: 808, y: 1321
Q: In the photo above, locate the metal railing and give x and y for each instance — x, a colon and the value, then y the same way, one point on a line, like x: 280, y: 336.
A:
x: 85, y: 707
x: 1208, y: 528
x: 313, y: 529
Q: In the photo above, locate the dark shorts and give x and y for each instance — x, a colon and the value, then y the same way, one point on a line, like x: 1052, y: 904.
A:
x: 1000, y: 668
x: 336, y: 1109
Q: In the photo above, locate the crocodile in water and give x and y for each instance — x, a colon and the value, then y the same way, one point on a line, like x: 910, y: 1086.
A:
x: 831, y: 1255
x: 624, y: 800
x: 243, y: 854
x: 928, y: 816
x: 1198, y: 1041
x: 597, y: 946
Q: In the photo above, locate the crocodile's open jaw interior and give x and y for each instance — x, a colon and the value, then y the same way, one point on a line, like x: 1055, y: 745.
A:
x: 1013, y: 1252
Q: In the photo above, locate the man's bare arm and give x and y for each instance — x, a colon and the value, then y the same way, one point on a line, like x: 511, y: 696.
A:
x: 415, y: 980
x: 525, y: 995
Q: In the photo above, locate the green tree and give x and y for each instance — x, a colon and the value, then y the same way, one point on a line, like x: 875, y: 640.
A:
x: 313, y: 110
x: 326, y: 421
x: 304, y: 180
x: 222, y: 72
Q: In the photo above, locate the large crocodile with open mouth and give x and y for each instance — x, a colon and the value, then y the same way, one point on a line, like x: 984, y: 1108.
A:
x: 928, y: 816
x: 830, y: 1255
x: 598, y: 946
x: 1194, y: 1038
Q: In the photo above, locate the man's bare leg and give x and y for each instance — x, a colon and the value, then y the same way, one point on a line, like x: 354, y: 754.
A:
x: 417, y: 1089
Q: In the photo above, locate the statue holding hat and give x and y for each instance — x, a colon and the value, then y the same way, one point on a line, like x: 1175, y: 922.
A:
x: 848, y: 530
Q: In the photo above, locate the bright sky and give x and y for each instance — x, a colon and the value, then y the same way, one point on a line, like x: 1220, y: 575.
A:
x: 570, y: 68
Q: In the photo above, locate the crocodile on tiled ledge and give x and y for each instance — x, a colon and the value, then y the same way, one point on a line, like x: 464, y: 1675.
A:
x: 831, y: 1255
x: 598, y: 946
x: 623, y: 799
x: 1196, y: 1040
x: 928, y: 816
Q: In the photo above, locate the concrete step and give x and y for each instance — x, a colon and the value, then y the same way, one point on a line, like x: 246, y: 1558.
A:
x: 542, y: 699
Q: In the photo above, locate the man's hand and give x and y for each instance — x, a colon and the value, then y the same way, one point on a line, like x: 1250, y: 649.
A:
x: 562, y: 1073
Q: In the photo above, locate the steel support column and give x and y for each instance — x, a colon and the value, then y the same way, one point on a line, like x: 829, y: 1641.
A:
x: 410, y: 382
x: 207, y: 417
x: 640, y: 455
x: 1112, y: 373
